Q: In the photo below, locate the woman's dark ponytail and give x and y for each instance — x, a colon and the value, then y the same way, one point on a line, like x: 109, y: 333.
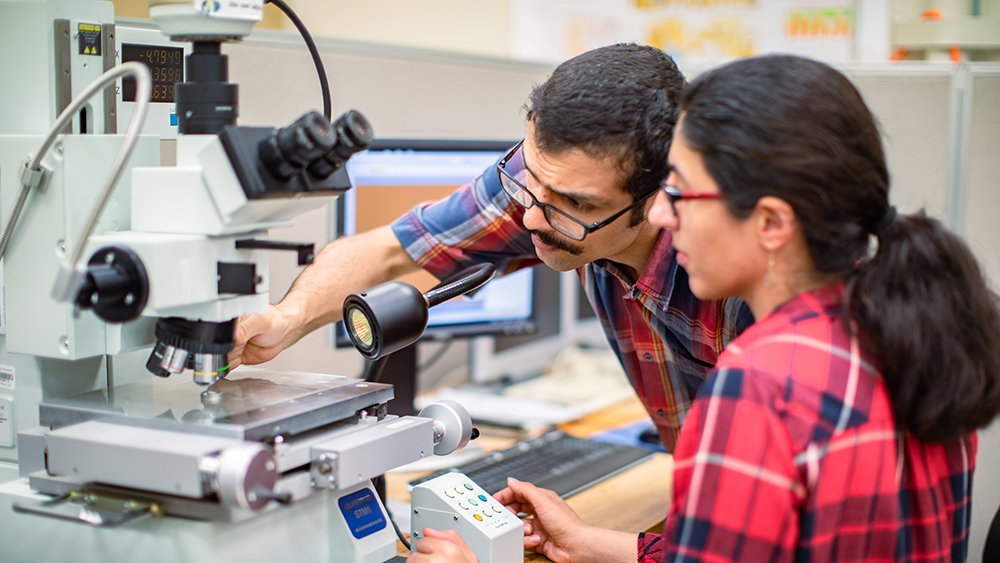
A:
x: 924, y: 309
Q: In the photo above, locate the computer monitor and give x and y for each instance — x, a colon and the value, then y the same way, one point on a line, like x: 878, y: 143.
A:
x: 389, y: 179
x: 515, y: 358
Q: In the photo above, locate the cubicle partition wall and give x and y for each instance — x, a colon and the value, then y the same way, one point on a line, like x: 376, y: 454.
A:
x: 979, y: 194
x: 941, y: 125
x: 981, y: 224
x: 913, y: 107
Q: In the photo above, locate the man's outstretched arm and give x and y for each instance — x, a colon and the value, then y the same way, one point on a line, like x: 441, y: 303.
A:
x: 344, y: 266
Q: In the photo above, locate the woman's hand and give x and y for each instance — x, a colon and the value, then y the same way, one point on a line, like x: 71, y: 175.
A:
x: 555, y: 531
x: 441, y: 546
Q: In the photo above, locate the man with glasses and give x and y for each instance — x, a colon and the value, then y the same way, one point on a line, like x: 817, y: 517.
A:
x: 574, y: 195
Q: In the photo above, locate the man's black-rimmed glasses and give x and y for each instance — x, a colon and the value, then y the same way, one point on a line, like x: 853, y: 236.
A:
x: 513, y: 176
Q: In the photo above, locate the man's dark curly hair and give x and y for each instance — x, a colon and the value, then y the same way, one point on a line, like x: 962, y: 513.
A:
x: 616, y: 102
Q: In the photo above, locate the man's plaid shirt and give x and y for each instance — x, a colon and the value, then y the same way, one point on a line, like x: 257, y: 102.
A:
x: 665, y: 338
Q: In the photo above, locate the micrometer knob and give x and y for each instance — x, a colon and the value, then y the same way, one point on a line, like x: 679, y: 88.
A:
x: 452, y: 426
x: 247, y: 476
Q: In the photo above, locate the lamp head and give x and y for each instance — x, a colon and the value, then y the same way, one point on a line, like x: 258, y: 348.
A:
x: 393, y: 315
x: 385, y: 318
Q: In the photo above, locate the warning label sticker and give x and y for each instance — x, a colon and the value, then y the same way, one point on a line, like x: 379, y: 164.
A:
x: 89, y: 39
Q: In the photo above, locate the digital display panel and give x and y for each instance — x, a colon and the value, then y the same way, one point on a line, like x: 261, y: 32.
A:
x: 166, y: 65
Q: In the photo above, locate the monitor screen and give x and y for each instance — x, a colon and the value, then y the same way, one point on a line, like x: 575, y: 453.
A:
x: 392, y: 177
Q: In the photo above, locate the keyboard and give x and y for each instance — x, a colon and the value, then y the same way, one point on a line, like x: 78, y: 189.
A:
x: 556, y: 461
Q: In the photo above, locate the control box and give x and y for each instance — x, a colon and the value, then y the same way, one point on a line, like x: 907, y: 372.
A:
x: 454, y: 502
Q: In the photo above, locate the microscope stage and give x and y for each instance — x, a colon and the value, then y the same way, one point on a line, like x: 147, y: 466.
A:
x: 251, y: 404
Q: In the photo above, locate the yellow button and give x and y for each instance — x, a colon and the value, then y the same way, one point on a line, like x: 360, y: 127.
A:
x: 477, y: 517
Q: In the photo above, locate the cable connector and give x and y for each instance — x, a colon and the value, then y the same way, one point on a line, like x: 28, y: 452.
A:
x: 30, y: 177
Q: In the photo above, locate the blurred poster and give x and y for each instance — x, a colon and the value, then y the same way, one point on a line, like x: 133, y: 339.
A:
x: 555, y: 30
x: 823, y: 29
x: 702, y: 33
x: 697, y: 33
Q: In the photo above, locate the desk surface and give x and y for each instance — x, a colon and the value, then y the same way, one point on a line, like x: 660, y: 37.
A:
x: 633, y: 501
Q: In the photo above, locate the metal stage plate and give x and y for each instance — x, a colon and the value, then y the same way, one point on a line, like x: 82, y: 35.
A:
x: 250, y: 404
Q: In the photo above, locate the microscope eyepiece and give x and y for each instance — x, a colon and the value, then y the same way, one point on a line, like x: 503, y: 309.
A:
x: 290, y: 149
x: 352, y: 133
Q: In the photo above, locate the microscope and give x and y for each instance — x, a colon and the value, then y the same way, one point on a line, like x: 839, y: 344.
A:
x: 197, y: 227
x: 105, y: 253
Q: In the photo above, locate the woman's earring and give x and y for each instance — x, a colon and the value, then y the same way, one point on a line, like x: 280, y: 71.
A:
x: 769, y: 280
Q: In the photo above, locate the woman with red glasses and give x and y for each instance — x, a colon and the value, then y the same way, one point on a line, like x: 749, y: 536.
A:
x: 841, y: 426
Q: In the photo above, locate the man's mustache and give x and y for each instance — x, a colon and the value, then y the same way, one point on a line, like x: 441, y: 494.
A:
x: 553, y: 240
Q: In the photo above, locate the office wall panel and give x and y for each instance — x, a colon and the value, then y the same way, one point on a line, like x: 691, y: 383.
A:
x: 982, y: 231
x: 982, y: 215
x: 913, y: 113
x: 405, y: 93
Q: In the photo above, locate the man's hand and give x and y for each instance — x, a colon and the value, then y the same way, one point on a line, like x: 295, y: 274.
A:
x: 444, y: 546
x: 344, y: 266
x: 260, y: 337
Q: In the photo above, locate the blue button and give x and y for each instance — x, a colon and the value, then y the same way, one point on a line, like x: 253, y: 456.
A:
x: 482, y: 498
x: 173, y: 119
